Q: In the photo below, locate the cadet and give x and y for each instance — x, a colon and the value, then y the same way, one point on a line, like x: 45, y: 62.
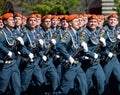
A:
x: 18, y: 31
x: 54, y: 23
x: 81, y: 22
x: 112, y: 36
x: 31, y: 56
x: 24, y: 19
x: 67, y: 46
x: 94, y: 40
x: 8, y: 54
x: 1, y: 23
x: 38, y: 26
x: 61, y: 32
x: 47, y: 65
x: 85, y: 18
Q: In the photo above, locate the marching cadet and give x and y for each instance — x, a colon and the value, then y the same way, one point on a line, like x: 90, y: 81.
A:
x: 68, y: 45
x: 85, y: 18
x: 18, y: 31
x: 112, y: 39
x: 47, y: 66
x: 101, y: 20
x: 1, y: 23
x: 81, y: 22
x: 54, y: 23
x: 93, y: 39
x: 38, y: 26
x: 24, y: 19
x: 8, y: 54
x: 61, y: 32
x: 30, y: 54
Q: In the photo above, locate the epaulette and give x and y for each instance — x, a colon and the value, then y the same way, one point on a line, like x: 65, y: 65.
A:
x: 118, y: 28
x: 85, y: 31
x: 64, y: 38
x: 102, y: 33
x: 25, y: 30
x: 1, y: 32
x: 41, y: 33
x: 83, y: 34
x: 55, y: 35
x: 105, y: 27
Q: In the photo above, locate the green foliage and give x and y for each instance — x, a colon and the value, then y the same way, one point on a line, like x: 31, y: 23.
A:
x: 117, y: 5
x: 53, y: 6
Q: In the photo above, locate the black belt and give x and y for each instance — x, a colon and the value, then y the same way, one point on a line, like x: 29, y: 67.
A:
x: 7, y: 61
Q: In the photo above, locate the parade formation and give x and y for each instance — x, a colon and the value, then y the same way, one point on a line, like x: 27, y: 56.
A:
x: 59, y: 54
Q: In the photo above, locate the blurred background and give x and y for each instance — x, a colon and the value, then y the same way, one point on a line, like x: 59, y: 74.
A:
x: 58, y: 7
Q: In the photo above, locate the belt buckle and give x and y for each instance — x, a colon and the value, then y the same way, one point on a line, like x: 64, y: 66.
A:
x: 1, y: 61
x: 114, y: 54
x: 9, y: 62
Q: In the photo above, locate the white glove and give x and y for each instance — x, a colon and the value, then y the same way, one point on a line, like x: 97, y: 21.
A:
x: 118, y: 36
x: 44, y: 58
x: 19, y: 52
x: 41, y: 42
x: 20, y: 40
x: 53, y: 41
x: 95, y: 55
x: 86, y: 57
x: 85, y: 47
x: 110, y: 54
x: 10, y: 54
x: 57, y: 56
x: 71, y: 60
x: 103, y: 41
x: 31, y: 56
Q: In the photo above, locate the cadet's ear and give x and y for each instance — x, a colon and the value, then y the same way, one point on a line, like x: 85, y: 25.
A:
x: 117, y: 21
x: 70, y: 23
x: 5, y: 22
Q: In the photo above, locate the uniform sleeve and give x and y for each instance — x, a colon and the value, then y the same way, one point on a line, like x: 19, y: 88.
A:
x: 63, y: 44
x: 2, y: 47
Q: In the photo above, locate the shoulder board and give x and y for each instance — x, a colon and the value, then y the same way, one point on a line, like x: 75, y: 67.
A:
x: 105, y: 27
x: 102, y: 32
x: 25, y: 30
x: 118, y: 28
x: 1, y: 32
x: 64, y: 38
x: 55, y: 35
x: 85, y: 31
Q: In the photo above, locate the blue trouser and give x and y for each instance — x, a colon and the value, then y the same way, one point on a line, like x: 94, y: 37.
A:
x: 49, y: 68
x: 18, y: 61
x: 69, y: 76
x: 10, y: 71
x: 113, y: 65
x: 32, y: 69
x: 98, y: 72
x: 60, y: 70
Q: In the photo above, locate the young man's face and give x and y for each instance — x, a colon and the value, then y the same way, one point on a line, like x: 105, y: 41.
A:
x: 54, y: 22
x: 100, y: 22
x: 81, y: 22
x: 38, y: 21
x: 9, y: 22
x: 32, y: 22
x: 47, y: 23
x: 1, y: 24
x: 75, y: 24
x: 64, y: 24
x: 112, y: 22
x: 93, y: 23
x: 18, y: 21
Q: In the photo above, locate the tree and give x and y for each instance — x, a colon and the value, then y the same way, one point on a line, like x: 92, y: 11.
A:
x: 52, y: 6
x: 117, y: 5
x: 6, y: 6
